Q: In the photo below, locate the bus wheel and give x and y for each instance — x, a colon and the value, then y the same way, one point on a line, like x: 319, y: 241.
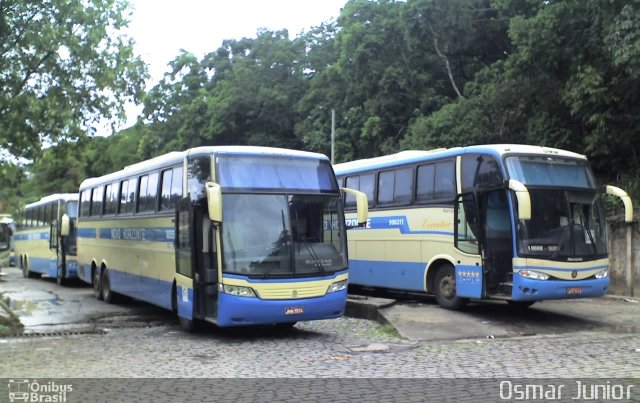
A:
x: 61, y: 275
x: 28, y: 273
x: 445, y: 289
x: 23, y: 266
x: 188, y: 325
x: 97, y: 286
x: 108, y: 295
x: 520, y: 304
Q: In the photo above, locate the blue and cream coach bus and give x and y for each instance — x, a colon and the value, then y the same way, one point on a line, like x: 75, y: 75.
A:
x: 229, y: 235
x: 45, y: 241
x: 503, y: 222
x: 6, y: 232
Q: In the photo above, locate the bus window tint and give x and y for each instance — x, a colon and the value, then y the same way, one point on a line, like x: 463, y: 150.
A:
x: 199, y: 172
x: 127, y: 196
x: 147, y: 192
x: 353, y: 182
x: 176, y: 186
x: 426, y: 175
x: 445, y: 186
x: 367, y: 186
x: 480, y: 171
x: 111, y: 199
x: 363, y: 183
x: 96, y: 201
x: 46, y: 219
x: 165, y: 195
x: 171, y: 188
x: 436, y: 181
x: 85, y: 203
x: 385, y: 187
x: 395, y: 187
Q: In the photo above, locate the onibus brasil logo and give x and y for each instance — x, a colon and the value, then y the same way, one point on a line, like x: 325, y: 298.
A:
x: 24, y: 390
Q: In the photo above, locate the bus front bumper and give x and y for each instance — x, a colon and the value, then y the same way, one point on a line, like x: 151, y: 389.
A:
x: 525, y: 289
x: 241, y: 311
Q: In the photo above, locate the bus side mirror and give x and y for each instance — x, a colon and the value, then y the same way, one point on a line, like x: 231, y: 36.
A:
x: 64, y: 225
x: 524, y: 199
x: 362, y: 205
x: 214, y: 201
x: 628, y: 205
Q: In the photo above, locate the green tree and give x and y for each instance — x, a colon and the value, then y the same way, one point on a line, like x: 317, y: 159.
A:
x: 64, y: 65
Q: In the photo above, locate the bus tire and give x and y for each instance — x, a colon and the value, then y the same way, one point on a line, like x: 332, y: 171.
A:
x: 188, y: 325
x: 97, y: 282
x: 108, y: 295
x: 61, y: 275
x: 23, y: 267
x: 445, y: 289
x: 28, y: 273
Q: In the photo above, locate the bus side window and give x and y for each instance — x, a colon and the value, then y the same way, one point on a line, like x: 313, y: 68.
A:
x: 111, y: 199
x: 85, y: 203
x: 127, y: 196
x: 96, y: 201
x: 165, y: 194
x: 480, y: 171
x: 147, y: 192
x: 436, y: 181
x: 353, y: 182
x: 395, y: 186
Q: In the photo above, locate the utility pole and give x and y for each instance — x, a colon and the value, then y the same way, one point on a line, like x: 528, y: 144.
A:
x: 333, y: 136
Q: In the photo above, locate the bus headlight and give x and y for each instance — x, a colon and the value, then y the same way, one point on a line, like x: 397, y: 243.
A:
x: 533, y: 275
x: 602, y: 273
x: 238, y: 290
x: 337, y: 286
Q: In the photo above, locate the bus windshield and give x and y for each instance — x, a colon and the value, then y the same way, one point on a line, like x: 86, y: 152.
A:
x: 564, y: 225
x: 535, y: 170
x: 260, y: 172
x: 281, y: 236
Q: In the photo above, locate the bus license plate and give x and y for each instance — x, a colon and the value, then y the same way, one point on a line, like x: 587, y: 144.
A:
x: 293, y: 310
x: 574, y: 290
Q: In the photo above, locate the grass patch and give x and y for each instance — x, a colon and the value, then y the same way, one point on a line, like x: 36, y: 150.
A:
x: 10, y: 325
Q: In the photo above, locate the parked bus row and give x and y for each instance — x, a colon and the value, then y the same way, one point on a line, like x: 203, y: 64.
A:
x: 229, y: 235
x: 251, y: 235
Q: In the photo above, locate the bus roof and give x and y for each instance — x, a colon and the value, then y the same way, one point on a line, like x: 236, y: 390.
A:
x: 175, y: 157
x: 416, y: 156
x: 57, y: 196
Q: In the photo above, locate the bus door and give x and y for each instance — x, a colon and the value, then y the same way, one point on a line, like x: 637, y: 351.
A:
x: 206, y: 267
x: 184, y: 240
x: 196, y: 263
x: 56, y: 242
x: 497, y: 240
x: 468, y: 240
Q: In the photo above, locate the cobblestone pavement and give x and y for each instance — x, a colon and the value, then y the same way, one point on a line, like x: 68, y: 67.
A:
x: 345, y: 359
x: 337, y: 360
x: 336, y: 348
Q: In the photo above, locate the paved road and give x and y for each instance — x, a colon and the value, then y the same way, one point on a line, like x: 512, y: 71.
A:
x: 345, y: 359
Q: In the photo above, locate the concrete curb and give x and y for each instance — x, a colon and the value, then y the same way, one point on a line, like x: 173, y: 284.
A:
x: 363, y: 307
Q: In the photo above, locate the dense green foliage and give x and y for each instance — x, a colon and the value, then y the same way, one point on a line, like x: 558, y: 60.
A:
x: 64, y: 65
x: 415, y: 74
